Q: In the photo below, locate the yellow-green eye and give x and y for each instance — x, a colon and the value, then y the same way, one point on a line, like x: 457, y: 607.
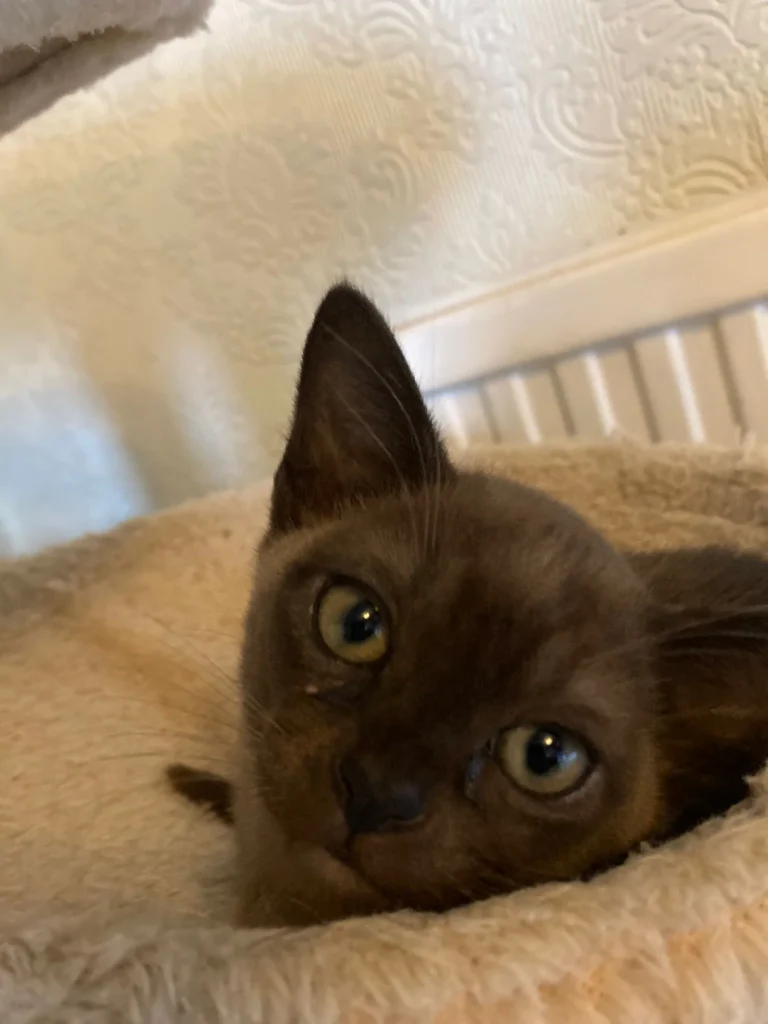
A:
x: 543, y: 759
x: 352, y: 624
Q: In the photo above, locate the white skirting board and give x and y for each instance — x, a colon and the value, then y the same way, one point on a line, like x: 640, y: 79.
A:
x: 663, y: 337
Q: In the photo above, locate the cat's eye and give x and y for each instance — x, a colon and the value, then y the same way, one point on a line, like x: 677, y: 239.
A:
x: 543, y: 760
x: 352, y: 624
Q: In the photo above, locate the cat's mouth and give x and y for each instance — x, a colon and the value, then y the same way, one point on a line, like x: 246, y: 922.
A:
x: 335, y: 873
x: 343, y: 855
x: 350, y: 866
x: 339, y: 865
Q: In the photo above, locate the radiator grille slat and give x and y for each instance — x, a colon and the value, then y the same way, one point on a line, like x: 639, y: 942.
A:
x: 705, y: 381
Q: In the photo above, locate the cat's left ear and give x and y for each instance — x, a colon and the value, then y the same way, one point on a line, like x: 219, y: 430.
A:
x: 360, y: 426
x: 706, y: 600
x: 709, y: 636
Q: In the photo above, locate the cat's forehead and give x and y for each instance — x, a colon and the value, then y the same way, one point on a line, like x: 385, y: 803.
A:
x: 486, y: 520
x: 477, y: 541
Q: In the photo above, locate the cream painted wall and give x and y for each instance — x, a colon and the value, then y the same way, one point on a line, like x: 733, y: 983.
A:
x: 164, y: 235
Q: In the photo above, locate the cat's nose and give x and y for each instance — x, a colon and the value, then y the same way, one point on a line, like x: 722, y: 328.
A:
x: 374, y: 803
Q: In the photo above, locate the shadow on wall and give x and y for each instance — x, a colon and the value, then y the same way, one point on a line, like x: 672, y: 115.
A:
x: 167, y: 253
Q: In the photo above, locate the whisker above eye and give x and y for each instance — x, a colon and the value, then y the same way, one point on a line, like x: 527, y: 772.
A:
x: 202, y: 716
x: 228, y: 679
x: 234, y: 692
x: 405, y: 489
x: 708, y: 641
x: 159, y: 734
x: 251, y: 703
x: 733, y: 712
x: 206, y: 631
x: 408, y: 418
x: 160, y: 755
x: 725, y: 618
x: 390, y: 390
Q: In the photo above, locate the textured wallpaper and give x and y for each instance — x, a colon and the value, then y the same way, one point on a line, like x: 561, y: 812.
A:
x: 165, y: 233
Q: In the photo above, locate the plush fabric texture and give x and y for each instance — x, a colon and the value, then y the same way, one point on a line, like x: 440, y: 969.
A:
x: 39, y: 63
x: 118, y: 654
x: 31, y: 23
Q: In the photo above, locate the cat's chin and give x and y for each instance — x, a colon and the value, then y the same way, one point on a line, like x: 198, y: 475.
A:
x: 288, y: 882
x: 311, y: 886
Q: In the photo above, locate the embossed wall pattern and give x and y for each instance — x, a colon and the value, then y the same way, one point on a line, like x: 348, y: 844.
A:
x: 165, y: 233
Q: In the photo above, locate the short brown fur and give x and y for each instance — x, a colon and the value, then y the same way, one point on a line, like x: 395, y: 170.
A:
x: 505, y: 609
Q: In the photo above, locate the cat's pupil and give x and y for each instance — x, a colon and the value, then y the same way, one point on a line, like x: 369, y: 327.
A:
x: 545, y: 753
x: 361, y: 622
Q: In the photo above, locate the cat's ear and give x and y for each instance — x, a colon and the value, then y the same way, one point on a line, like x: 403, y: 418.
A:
x: 705, y: 600
x: 360, y: 426
x: 708, y: 628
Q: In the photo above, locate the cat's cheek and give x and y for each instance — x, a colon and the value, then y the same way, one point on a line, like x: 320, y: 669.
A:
x: 305, y: 806
x: 506, y: 807
x: 542, y: 839
x: 641, y: 806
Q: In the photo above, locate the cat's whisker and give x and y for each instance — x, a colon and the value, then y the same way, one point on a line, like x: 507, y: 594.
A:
x: 110, y: 802
x: 391, y: 391
x: 691, y: 626
x: 466, y: 892
x: 714, y: 616
x: 296, y: 901
x: 227, y: 679
x: 160, y: 755
x: 507, y: 882
x: 638, y: 644
x: 204, y: 697
x: 648, y: 643
x: 404, y: 487
x: 710, y: 650
x: 206, y: 631
x: 442, y: 483
x: 162, y: 704
x: 708, y: 641
x: 434, y: 494
x: 239, y: 695
x: 160, y: 734
x: 228, y: 695
x: 86, y: 729
x: 406, y: 415
x: 733, y: 712
x: 251, y: 703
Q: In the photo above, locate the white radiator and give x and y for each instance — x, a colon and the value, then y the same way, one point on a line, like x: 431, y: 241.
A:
x: 664, y: 338
x: 703, y: 381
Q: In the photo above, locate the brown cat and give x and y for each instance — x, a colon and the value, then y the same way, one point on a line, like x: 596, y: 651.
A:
x: 452, y: 686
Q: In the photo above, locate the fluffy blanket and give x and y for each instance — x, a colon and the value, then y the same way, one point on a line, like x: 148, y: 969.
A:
x: 36, y: 35
x: 117, y: 656
x: 33, y: 22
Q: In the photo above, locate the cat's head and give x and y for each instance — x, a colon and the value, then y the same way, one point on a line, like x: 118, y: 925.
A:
x: 446, y: 692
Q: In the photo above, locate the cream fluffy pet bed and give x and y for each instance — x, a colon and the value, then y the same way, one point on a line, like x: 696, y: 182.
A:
x: 117, y: 656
